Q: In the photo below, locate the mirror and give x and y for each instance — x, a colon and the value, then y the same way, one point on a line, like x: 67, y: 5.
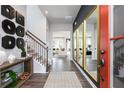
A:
x: 91, y: 47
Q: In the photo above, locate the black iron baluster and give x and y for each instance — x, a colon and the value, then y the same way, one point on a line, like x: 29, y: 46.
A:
x: 38, y: 48
x: 38, y: 54
x: 42, y: 55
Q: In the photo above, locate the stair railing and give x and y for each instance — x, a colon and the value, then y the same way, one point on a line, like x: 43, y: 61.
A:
x: 37, y: 48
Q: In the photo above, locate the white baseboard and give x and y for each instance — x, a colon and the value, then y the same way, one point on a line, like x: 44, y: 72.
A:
x: 88, y: 79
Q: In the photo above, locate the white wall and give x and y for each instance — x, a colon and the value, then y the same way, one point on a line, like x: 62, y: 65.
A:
x: 49, y: 41
x: 15, y: 51
x: 36, y: 22
x: 61, y: 27
x: 65, y: 34
x: 38, y: 25
x: 71, y: 45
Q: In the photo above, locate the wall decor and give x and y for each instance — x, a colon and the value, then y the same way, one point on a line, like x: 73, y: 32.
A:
x: 7, y: 11
x: 20, y: 43
x: 11, y: 58
x: 8, y: 26
x: 20, y: 19
x: 20, y: 31
x: 8, y: 42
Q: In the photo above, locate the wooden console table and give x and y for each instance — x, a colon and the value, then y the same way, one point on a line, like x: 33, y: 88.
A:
x: 28, y: 67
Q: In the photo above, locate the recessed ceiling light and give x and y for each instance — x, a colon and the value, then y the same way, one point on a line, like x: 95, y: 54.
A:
x: 46, y: 12
x: 75, y: 23
x: 68, y: 17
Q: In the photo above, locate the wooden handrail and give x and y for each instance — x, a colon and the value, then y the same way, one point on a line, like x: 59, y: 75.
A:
x: 35, y: 37
x: 37, y: 42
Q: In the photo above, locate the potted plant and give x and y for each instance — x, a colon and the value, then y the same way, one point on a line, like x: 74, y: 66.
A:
x: 23, y: 53
x: 13, y: 77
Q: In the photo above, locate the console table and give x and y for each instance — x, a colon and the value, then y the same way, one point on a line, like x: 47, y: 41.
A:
x: 28, y: 67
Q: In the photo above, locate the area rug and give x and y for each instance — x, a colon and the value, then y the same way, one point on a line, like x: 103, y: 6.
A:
x: 62, y: 80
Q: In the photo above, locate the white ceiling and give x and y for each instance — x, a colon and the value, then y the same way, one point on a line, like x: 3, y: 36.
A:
x: 57, y: 13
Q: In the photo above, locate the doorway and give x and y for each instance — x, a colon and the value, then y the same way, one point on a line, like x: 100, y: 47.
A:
x: 61, y: 43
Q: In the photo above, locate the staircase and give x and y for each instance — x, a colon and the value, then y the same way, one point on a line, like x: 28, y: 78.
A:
x: 39, y: 50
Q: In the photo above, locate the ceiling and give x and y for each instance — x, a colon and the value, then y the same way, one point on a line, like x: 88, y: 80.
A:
x: 60, y: 14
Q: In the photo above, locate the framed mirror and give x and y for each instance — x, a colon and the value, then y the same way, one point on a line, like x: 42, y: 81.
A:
x: 92, y: 44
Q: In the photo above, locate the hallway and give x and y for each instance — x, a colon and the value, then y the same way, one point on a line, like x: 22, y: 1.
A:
x: 60, y: 64
x: 43, y: 45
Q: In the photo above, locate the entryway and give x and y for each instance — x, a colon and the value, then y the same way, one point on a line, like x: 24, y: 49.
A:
x: 60, y: 65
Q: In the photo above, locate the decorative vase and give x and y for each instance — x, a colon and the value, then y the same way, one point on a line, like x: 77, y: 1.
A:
x: 3, y: 57
x: 11, y: 58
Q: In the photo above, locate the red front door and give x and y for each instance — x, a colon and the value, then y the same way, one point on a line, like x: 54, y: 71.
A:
x: 105, y: 46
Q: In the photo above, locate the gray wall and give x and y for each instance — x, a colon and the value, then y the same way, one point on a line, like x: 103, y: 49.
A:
x: 118, y: 31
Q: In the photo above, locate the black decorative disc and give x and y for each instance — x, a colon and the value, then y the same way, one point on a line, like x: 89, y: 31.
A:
x: 8, y: 42
x: 20, y: 31
x: 8, y: 11
x: 20, y: 19
x: 8, y: 26
x: 20, y: 43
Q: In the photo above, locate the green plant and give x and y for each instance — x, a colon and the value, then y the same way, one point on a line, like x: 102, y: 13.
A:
x: 23, y: 53
x: 12, y: 75
x: 14, y: 78
x: 23, y: 49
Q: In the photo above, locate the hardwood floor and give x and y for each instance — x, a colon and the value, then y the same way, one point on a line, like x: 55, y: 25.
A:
x: 59, y: 64
x: 37, y: 80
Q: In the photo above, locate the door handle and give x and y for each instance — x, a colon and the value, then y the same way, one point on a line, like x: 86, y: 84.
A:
x: 102, y: 62
x: 102, y: 52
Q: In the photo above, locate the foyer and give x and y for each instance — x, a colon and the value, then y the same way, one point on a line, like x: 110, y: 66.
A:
x: 61, y: 46
x: 60, y: 64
